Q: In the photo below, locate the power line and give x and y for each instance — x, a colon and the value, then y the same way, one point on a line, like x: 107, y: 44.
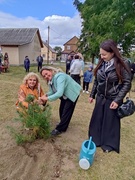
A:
x: 59, y: 35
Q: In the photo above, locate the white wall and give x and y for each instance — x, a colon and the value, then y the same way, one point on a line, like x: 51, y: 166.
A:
x: 13, y: 54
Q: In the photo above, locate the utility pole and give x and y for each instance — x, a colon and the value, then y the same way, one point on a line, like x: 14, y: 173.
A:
x: 48, y: 46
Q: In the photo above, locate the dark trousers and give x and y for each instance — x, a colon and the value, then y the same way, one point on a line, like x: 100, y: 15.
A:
x: 39, y: 67
x: 105, y: 125
x: 27, y: 69
x: 132, y: 76
x: 67, y: 70
x: 85, y: 85
x: 77, y: 78
x: 66, y: 110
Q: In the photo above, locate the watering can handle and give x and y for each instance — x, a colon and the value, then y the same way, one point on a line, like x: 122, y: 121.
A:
x: 89, y: 142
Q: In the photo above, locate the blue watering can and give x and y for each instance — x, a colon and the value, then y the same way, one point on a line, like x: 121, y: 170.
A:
x: 87, y: 154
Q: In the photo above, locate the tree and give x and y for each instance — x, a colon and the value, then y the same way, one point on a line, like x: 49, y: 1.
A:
x: 35, y: 122
x: 58, y: 50
x: 106, y: 19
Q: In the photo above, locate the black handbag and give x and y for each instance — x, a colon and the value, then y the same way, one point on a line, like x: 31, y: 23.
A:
x: 126, y: 109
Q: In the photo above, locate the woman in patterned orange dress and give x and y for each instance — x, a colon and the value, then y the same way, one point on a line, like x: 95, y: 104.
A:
x: 30, y: 86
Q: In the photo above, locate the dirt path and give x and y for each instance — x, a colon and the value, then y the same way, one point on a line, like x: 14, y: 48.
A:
x: 41, y: 160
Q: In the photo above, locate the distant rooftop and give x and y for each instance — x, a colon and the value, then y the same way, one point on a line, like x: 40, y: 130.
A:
x: 18, y: 36
x: 51, y: 49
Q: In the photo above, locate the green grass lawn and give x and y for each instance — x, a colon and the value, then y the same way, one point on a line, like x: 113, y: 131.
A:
x: 111, y: 166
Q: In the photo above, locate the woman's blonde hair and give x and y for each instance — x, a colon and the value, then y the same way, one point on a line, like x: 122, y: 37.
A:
x: 29, y: 75
x: 50, y: 68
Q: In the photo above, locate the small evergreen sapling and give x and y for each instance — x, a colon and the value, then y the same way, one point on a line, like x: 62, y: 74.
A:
x: 35, y: 121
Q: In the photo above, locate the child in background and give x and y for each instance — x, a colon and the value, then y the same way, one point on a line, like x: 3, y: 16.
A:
x: 87, y: 79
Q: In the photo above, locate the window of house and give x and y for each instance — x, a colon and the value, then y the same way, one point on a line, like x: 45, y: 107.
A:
x: 68, y: 47
x: 43, y: 55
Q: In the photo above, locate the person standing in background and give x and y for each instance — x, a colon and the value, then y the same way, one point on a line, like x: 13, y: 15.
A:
x: 75, y: 69
x: 0, y: 63
x: 132, y: 69
x: 6, y: 61
x: 26, y: 63
x: 40, y: 62
x: 68, y: 63
x: 81, y: 58
x: 132, y: 73
x: 87, y: 79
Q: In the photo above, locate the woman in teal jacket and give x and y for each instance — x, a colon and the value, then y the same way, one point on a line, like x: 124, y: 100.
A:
x: 63, y: 87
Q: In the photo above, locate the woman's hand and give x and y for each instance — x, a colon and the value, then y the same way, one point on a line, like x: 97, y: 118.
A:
x: 44, y: 98
x: 41, y: 102
x: 113, y: 105
x: 38, y: 101
x: 90, y: 100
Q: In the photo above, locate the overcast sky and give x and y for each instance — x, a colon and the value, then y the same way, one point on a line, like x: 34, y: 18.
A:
x: 60, y: 15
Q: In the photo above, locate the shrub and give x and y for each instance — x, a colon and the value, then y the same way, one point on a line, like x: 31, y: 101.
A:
x: 35, y: 122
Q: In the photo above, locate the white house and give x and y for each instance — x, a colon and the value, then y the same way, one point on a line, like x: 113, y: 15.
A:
x: 20, y: 42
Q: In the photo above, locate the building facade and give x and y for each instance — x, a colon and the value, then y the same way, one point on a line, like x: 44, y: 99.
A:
x: 48, y: 53
x: 20, y: 42
x: 70, y: 48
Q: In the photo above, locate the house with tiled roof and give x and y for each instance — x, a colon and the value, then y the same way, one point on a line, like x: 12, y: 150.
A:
x: 48, y: 52
x: 70, y: 48
x: 20, y: 42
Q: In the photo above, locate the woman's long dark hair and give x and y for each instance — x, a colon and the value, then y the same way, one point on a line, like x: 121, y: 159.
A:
x: 111, y: 46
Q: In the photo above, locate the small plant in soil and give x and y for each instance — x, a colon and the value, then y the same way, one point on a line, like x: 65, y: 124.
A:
x: 35, y: 121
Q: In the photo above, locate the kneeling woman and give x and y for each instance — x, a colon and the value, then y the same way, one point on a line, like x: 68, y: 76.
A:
x: 30, y: 86
x: 62, y: 87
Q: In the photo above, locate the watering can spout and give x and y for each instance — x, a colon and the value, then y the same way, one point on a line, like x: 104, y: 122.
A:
x: 90, y: 140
